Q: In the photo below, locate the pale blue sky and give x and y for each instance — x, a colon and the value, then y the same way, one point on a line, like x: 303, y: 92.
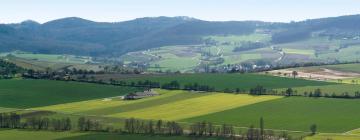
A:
x: 215, y: 10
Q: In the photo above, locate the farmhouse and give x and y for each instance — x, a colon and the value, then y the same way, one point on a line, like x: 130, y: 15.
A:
x: 140, y: 95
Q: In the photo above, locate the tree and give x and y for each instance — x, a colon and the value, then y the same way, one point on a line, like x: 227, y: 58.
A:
x: 289, y: 92
x: 295, y: 73
x: 317, y: 93
x: 261, y: 128
x: 313, y: 129
x: 81, y: 123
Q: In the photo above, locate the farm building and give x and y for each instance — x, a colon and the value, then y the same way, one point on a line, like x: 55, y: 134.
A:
x: 140, y: 95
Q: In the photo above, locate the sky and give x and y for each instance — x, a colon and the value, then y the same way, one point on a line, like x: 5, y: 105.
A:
x: 14, y: 11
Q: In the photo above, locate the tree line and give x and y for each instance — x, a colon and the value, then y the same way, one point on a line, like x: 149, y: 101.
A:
x: 148, y: 127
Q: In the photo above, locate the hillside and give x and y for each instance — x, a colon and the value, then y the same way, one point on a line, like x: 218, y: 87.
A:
x: 79, y: 36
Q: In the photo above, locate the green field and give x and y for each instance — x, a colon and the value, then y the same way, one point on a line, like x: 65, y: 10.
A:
x: 233, y: 38
x: 338, y: 89
x: 171, y: 105
x: 340, y: 67
x: 293, y: 113
x: 47, y: 135
x: 101, y: 107
x: 232, y: 81
x: 36, y: 93
x: 49, y: 57
x: 345, y: 67
x: 2, y: 109
x: 299, y: 51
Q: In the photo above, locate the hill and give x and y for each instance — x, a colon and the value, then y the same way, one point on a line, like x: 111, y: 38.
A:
x: 79, y: 36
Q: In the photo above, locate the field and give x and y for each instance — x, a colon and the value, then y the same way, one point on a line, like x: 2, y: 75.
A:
x: 190, y: 57
x: 293, y: 113
x: 35, y: 93
x: 194, y: 106
x: 171, y: 105
x: 230, y: 81
x: 338, y: 89
x: 49, y: 57
x: 57, y: 99
x: 42, y: 62
x: 333, y: 137
x: 44, y: 135
x: 103, y: 107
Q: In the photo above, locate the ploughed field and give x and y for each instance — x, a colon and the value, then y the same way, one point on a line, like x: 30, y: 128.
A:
x: 292, y: 114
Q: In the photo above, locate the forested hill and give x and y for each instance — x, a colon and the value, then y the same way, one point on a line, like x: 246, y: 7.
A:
x: 79, y: 36
x: 84, y: 37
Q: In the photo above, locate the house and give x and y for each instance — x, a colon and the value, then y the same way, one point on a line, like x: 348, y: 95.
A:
x: 140, y: 95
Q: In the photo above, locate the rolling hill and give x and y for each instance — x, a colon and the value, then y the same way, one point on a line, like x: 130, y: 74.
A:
x: 79, y: 36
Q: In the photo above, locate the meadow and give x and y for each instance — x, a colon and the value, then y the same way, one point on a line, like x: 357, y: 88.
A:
x: 337, y: 89
x: 354, y: 67
x: 72, y: 99
x: 36, y: 93
x: 47, y: 135
x: 293, y: 113
x: 230, y: 81
x: 116, y: 105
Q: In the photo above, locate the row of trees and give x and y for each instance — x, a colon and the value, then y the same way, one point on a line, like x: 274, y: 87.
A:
x: 15, y: 121
x: 257, y: 90
x: 9, y: 70
x: 201, y: 129
x: 319, y: 93
x: 135, y: 126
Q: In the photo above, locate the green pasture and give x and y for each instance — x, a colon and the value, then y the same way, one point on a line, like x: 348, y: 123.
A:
x: 36, y: 93
x: 293, y: 113
x: 241, y: 38
x: 47, y: 135
x: 231, y: 81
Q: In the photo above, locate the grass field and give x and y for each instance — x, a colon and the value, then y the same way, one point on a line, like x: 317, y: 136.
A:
x: 36, y: 93
x: 299, y: 51
x: 101, y: 107
x: 232, y: 38
x: 195, y: 106
x: 3, y: 110
x: 293, y: 113
x: 46, y: 135
x: 345, y: 67
x: 171, y: 105
x: 176, y: 63
x: 49, y: 57
x: 232, y: 81
x: 340, y: 67
x: 338, y: 89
